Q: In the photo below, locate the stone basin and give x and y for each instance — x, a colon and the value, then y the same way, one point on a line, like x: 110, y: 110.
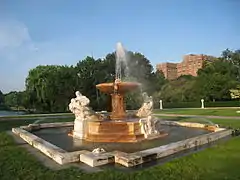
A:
x: 123, y: 87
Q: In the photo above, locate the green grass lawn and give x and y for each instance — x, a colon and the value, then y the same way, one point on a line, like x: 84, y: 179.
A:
x: 34, y: 116
x: 219, y: 162
x: 206, y: 112
x: 233, y: 123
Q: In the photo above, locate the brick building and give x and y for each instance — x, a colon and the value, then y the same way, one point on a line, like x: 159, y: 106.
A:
x: 169, y: 70
x: 189, y: 66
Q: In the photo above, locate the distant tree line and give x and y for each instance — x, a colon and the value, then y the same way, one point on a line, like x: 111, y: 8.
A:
x: 50, y: 88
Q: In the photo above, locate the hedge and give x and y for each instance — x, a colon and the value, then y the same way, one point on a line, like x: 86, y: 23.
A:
x: 198, y: 104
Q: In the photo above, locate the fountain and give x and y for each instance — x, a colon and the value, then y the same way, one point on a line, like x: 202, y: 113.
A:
x: 117, y: 89
x: 118, y: 126
x: 117, y: 137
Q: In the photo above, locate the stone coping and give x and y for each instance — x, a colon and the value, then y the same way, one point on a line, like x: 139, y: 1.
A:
x: 126, y: 159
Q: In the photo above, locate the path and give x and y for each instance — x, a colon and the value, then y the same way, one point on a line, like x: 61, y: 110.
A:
x: 199, y: 116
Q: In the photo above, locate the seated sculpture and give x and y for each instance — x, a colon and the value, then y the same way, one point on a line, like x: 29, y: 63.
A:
x: 147, y: 121
x: 148, y: 126
x: 79, y: 106
x: 147, y: 106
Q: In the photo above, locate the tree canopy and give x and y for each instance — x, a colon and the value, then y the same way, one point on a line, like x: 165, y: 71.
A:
x: 49, y: 88
x: 1, y: 98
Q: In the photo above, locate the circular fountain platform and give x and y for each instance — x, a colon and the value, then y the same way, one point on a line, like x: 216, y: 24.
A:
x: 115, y: 131
x: 123, y: 87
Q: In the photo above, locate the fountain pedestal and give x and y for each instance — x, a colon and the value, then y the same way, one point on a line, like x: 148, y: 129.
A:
x: 119, y: 128
x: 79, y: 130
x: 117, y: 91
x: 118, y: 110
x: 114, y: 131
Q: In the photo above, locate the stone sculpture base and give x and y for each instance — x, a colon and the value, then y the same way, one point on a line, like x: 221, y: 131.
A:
x: 111, y: 131
x: 118, y: 110
x: 114, y: 131
x: 80, y: 129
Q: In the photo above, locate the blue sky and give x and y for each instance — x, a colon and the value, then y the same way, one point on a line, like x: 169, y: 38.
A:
x: 34, y: 32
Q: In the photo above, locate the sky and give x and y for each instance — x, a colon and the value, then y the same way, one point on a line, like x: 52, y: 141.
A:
x: 41, y: 32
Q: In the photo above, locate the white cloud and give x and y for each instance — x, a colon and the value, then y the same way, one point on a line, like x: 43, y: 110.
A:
x: 19, y: 53
x: 13, y: 34
x: 15, y: 41
x: 16, y: 48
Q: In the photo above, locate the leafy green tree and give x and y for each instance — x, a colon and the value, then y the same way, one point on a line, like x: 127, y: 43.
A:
x: 12, y: 99
x: 140, y: 70
x: 1, y: 98
x: 179, y: 90
x: 215, y: 80
x: 50, y: 87
x: 234, y: 58
x: 90, y: 73
x: 158, y: 80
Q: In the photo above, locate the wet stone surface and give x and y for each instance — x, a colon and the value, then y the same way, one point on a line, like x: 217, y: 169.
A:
x: 59, y: 137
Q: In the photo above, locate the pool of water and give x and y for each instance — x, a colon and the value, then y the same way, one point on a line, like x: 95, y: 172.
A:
x: 60, y: 138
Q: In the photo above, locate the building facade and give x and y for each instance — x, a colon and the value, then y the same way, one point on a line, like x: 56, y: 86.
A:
x: 169, y: 70
x: 189, y: 66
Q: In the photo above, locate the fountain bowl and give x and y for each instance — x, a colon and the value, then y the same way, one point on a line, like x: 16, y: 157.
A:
x: 123, y: 87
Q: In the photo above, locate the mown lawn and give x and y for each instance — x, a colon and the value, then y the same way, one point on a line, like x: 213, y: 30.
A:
x: 34, y: 116
x: 206, y: 112
x: 233, y: 123
x: 219, y: 162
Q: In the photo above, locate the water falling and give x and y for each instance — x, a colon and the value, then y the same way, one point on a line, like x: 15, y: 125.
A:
x: 121, y: 61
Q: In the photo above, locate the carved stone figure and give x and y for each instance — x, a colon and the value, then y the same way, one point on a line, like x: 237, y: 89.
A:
x: 79, y: 106
x: 148, y: 126
x: 117, y: 81
x: 98, y: 150
x: 147, y: 106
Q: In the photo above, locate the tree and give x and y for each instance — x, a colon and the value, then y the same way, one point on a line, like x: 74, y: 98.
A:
x: 1, y: 98
x: 157, y: 81
x: 139, y: 69
x: 215, y: 80
x: 51, y: 87
x: 12, y: 99
x: 179, y: 90
x: 234, y: 58
x: 90, y: 73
